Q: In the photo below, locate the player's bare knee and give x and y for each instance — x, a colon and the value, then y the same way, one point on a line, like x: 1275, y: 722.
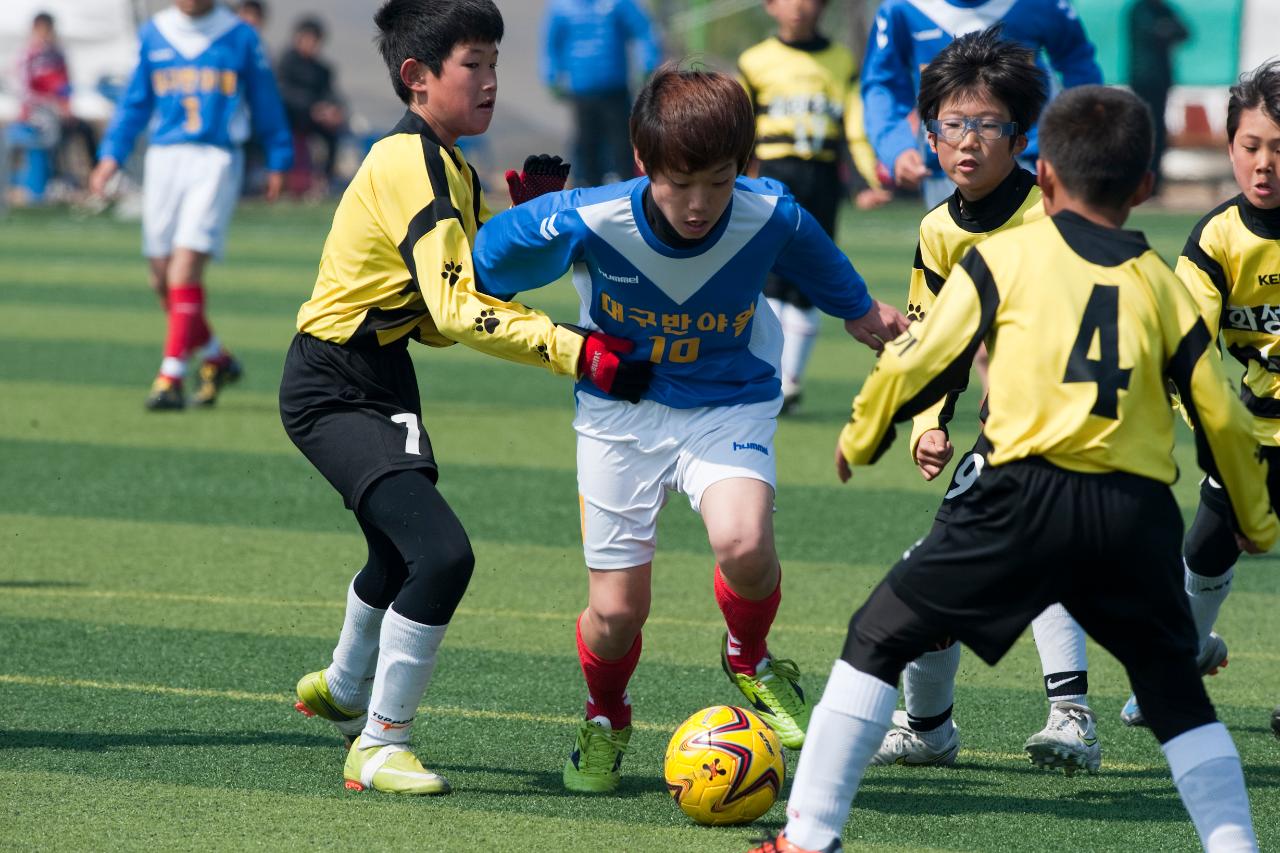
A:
x: 748, y: 559
x: 619, y: 619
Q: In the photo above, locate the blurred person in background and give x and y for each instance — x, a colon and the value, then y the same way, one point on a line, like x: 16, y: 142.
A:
x: 201, y: 75
x: 45, y: 90
x: 314, y: 109
x: 1154, y: 31
x: 253, y: 13
x: 585, y: 60
x: 907, y: 35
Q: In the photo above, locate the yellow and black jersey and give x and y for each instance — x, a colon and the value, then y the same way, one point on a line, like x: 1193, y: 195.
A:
x: 397, y: 261
x: 807, y: 102
x: 946, y: 233
x: 1083, y: 325
x: 1231, y: 264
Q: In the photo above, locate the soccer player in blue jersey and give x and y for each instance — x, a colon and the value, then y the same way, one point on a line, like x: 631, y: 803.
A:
x: 677, y: 261
x: 908, y: 34
x: 199, y: 68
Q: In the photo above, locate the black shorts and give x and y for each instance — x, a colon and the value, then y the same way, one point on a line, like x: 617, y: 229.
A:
x: 1107, y: 546
x: 818, y: 189
x: 1210, y: 548
x: 354, y: 412
x: 964, y: 477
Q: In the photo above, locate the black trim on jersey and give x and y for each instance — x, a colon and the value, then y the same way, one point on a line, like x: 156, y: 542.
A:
x: 831, y: 144
x: 439, y: 208
x: 1244, y: 355
x: 1263, y: 407
x: 1262, y: 223
x: 817, y: 44
x: 956, y: 374
x: 1179, y: 369
x: 1205, y: 262
x: 1098, y: 244
x: 475, y: 195
x: 994, y: 209
x: 932, y: 280
x: 380, y: 319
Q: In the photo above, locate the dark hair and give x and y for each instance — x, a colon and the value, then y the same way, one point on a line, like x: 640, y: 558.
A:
x: 1099, y: 141
x: 311, y: 25
x: 253, y: 6
x: 1259, y: 88
x: 429, y: 30
x: 42, y: 19
x: 690, y: 119
x: 985, y: 62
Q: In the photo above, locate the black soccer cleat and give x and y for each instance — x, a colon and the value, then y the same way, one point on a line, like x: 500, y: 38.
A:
x: 165, y: 396
x: 1275, y: 721
x: 214, y: 375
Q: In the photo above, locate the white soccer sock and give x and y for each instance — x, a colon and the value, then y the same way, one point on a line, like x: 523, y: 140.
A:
x: 1063, y: 659
x: 212, y: 349
x: 174, y: 368
x: 846, y: 729
x: 799, y: 333
x: 929, y: 689
x: 406, y: 660
x: 350, y: 676
x: 1205, y: 595
x: 1206, y: 770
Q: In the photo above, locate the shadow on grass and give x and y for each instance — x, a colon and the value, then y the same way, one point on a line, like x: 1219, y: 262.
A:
x: 103, y: 741
x: 25, y: 584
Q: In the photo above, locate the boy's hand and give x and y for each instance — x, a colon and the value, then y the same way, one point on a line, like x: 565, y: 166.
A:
x: 275, y: 185
x: 881, y: 324
x: 102, y: 175
x: 933, y: 452
x: 600, y: 364
x: 843, y: 471
x: 542, y: 174
x: 909, y: 169
x: 1247, y: 545
x: 871, y: 198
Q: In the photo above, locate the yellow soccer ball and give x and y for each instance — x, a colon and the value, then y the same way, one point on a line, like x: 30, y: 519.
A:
x: 724, y: 766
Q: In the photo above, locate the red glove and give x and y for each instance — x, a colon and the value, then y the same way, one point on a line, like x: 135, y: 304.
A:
x: 600, y: 364
x: 542, y: 174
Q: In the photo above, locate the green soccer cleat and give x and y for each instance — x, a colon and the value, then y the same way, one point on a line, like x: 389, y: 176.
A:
x: 392, y: 769
x: 315, y: 700
x: 594, y: 765
x: 775, y: 695
x: 165, y: 395
x: 214, y: 375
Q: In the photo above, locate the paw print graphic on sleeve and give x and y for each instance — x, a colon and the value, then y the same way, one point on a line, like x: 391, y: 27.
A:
x: 486, y: 322
x: 542, y: 351
x: 450, y: 273
x: 915, y: 313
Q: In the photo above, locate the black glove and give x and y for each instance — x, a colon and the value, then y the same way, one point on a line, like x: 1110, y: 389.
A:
x: 542, y: 174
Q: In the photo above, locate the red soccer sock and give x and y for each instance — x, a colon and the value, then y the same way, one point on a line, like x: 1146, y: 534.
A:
x: 186, y: 321
x: 748, y: 622
x: 607, y: 682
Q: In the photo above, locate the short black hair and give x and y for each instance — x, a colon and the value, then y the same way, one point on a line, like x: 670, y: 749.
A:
x: 42, y: 18
x: 429, y: 30
x: 985, y: 62
x: 309, y: 24
x: 1259, y: 88
x: 253, y: 6
x: 1099, y: 141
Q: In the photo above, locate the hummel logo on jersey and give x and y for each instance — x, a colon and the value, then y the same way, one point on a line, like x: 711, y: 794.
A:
x: 1269, y: 278
x: 751, y: 445
x: 548, y: 227
x: 928, y: 35
x: 621, y: 279
x: 1054, y: 685
x: 164, y: 54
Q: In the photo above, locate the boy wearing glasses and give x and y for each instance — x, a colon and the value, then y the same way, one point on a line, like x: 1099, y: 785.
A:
x: 978, y: 98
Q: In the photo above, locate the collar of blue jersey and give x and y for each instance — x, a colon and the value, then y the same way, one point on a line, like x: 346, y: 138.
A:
x: 994, y: 209
x: 818, y: 43
x: 1263, y: 223
x: 411, y: 122
x: 1098, y: 244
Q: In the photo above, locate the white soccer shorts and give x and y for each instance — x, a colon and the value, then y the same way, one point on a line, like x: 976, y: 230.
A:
x: 631, y: 455
x: 189, y: 192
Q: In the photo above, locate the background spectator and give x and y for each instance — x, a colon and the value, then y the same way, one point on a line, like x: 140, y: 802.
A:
x: 1154, y: 30
x: 585, y: 59
x: 253, y: 13
x: 314, y: 109
x: 45, y: 90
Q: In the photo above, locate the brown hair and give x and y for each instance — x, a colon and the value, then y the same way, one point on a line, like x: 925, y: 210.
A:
x: 689, y: 119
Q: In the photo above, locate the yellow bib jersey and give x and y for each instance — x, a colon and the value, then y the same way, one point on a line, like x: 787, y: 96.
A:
x: 396, y: 267
x: 1084, y: 325
x: 946, y: 233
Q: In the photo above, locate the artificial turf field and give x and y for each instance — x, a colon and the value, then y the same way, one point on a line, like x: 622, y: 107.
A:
x: 165, y: 579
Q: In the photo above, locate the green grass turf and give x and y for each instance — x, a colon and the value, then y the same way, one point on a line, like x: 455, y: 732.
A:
x: 164, y: 580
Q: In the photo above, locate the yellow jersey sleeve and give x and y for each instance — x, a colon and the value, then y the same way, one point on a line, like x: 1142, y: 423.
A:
x: 1205, y: 281
x: 922, y: 293
x: 855, y: 132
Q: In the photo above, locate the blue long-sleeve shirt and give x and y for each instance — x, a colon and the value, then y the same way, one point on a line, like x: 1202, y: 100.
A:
x: 198, y: 80
x: 585, y: 43
x: 908, y: 34
x: 697, y: 313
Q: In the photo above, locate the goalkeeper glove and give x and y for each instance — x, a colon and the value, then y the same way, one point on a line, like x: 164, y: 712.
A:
x: 542, y: 174
x: 600, y: 364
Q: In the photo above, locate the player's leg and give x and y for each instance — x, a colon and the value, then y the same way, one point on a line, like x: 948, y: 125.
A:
x: 1209, y: 556
x: 158, y: 278
x: 163, y: 186
x: 588, y: 165
x: 1145, y: 621
x: 406, y: 508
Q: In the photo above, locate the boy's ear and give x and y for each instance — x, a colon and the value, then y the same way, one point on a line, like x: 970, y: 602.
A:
x: 1019, y: 144
x: 640, y: 169
x: 1144, y: 190
x: 1048, y: 182
x: 414, y: 75
x: 933, y: 141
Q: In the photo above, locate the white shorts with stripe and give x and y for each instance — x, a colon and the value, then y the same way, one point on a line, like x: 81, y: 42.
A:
x: 189, y: 192
x: 631, y: 456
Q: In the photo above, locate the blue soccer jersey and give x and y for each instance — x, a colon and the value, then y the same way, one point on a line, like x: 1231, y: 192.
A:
x: 697, y: 313
x: 908, y: 34
x: 197, y: 81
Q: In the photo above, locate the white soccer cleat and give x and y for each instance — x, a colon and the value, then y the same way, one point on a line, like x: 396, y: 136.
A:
x: 903, y: 746
x: 1068, y: 740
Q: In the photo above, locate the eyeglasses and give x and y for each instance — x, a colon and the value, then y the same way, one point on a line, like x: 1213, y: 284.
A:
x: 955, y: 129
